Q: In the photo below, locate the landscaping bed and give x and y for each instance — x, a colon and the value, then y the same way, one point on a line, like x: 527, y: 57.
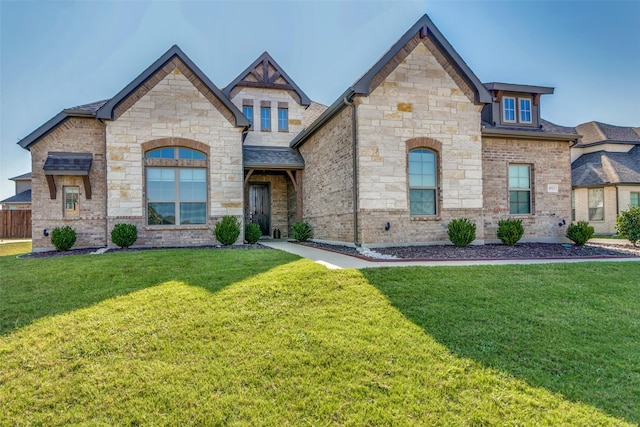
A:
x: 488, y: 251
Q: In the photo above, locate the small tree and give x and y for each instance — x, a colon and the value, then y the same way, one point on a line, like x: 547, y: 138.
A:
x: 580, y: 232
x: 628, y: 224
x: 227, y: 230
x: 301, y: 231
x: 63, y: 238
x: 252, y: 232
x: 461, y: 232
x: 510, y: 231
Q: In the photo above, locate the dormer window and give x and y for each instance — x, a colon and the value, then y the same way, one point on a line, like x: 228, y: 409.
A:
x: 509, y: 107
x: 516, y: 110
x: 525, y: 110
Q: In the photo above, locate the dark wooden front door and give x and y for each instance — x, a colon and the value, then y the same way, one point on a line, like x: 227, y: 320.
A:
x: 260, y: 207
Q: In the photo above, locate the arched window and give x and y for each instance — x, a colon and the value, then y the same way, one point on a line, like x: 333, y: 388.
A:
x: 176, y: 190
x: 423, y: 182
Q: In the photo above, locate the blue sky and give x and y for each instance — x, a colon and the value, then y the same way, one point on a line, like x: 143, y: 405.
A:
x: 55, y: 54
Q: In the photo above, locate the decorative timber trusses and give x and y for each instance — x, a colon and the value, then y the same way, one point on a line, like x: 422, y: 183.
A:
x: 265, y: 72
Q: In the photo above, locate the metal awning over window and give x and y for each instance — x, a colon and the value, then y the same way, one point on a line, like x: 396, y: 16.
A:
x: 70, y: 164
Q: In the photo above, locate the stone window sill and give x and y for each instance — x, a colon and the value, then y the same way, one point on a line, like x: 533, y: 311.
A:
x: 176, y: 227
x: 425, y: 218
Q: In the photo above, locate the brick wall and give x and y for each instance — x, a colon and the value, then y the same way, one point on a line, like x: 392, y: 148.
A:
x: 74, y: 135
x: 328, y: 180
x: 550, y: 165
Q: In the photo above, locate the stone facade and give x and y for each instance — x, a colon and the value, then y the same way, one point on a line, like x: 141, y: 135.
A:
x: 74, y: 135
x: 279, y: 198
x: 328, y: 180
x: 419, y: 100
x: 549, y: 162
x: 172, y: 110
x: 274, y: 97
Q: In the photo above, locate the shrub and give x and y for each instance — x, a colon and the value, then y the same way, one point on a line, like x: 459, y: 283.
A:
x: 227, y: 230
x: 301, y: 231
x: 579, y: 232
x: 63, y: 238
x: 252, y: 232
x: 628, y: 224
x: 124, y: 235
x: 461, y: 232
x: 510, y: 231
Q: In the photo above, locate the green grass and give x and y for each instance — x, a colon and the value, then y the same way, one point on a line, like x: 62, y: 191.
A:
x: 198, y: 337
x: 570, y: 328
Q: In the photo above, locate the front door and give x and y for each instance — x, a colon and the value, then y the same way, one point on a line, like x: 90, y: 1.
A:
x: 260, y: 207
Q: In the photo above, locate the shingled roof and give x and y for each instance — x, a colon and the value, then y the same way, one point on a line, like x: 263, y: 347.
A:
x: 595, y: 133
x: 546, y: 129
x: 606, y: 168
x: 256, y: 157
x: 24, y: 197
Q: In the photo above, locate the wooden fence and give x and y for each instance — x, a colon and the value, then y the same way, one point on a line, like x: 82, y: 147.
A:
x: 15, y: 224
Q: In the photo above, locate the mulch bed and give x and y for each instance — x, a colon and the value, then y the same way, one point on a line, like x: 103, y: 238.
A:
x: 492, y: 251
x: 86, y: 251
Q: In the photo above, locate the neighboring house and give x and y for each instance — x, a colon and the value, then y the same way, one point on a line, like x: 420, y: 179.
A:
x: 415, y: 142
x: 605, y: 174
x: 22, y: 198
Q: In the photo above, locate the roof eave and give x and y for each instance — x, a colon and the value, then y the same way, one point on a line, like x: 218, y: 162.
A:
x: 34, y: 136
x: 569, y: 137
x: 272, y: 166
x: 323, y: 118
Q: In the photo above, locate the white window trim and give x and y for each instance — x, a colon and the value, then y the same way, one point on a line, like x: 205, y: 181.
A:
x: 515, y: 109
x: 529, y: 189
x: 519, y: 115
x: 70, y: 213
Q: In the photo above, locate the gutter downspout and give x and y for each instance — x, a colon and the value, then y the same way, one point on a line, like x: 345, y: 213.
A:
x: 354, y: 153
x: 617, y: 200
x: 106, y: 187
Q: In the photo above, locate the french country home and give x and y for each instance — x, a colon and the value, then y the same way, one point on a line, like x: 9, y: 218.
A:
x: 417, y: 141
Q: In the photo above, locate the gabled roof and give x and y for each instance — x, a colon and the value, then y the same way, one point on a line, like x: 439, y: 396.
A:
x: 596, y: 133
x: 23, y: 177
x: 24, y: 197
x: 510, y: 87
x: 265, y: 72
x: 606, y: 168
x: 107, y: 110
x: 256, y: 157
x: 424, y: 27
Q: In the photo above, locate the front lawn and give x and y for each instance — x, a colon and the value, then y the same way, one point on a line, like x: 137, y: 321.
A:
x: 207, y: 337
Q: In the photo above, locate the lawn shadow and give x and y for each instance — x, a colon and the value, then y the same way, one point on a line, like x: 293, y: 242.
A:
x: 571, y: 329
x: 31, y: 289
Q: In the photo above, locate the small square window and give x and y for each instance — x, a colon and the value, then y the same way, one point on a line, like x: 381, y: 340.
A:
x: 71, y: 196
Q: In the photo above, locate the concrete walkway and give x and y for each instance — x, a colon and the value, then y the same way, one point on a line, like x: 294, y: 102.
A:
x: 334, y: 260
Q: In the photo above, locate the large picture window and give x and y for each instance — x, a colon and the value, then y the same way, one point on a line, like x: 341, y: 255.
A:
x: 176, y: 195
x: 596, y: 204
x: 519, y: 189
x: 422, y: 182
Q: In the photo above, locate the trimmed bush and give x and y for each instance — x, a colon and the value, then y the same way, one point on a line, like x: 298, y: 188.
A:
x: 628, y: 224
x: 301, y: 231
x: 510, y: 231
x: 579, y: 232
x: 252, y: 232
x: 124, y: 235
x: 63, y: 238
x: 227, y: 230
x: 461, y: 232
